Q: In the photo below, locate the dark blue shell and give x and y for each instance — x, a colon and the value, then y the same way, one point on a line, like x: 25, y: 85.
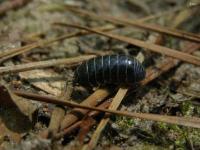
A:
x: 110, y: 69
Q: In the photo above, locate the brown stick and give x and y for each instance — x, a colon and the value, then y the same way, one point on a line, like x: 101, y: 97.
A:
x: 56, y: 117
x: 167, y: 64
x: 94, y: 99
x: 59, y: 112
x: 162, y: 14
x: 16, y: 51
x: 9, y: 5
x: 114, y: 105
x: 13, y: 52
x: 129, y: 22
x: 43, y: 64
x: 149, y: 46
x: 78, y: 123
x: 184, y: 121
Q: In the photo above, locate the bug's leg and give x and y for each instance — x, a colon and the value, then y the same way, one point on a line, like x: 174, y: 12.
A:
x: 79, y: 91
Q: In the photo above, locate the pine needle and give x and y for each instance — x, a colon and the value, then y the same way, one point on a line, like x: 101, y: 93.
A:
x: 44, y: 64
x: 184, y: 121
x: 128, y: 22
x: 149, y: 46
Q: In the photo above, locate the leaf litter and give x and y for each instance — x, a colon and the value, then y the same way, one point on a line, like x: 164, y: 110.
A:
x: 173, y: 93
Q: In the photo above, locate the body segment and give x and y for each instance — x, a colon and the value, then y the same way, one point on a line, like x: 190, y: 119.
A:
x: 109, y: 69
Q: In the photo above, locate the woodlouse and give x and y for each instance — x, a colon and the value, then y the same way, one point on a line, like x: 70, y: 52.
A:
x: 110, y: 69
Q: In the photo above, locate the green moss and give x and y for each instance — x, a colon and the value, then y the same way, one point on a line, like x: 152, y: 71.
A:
x: 174, y: 128
x: 193, y: 135
x: 170, y: 134
x: 197, y: 110
x: 52, y: 7
x: 180, y: 143
x: 162, y: 125
x: 124, y: 122
x: 176, y: 135
x: 187, y: 108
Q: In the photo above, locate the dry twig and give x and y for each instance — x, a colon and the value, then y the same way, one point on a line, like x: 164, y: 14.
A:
x: 44, y: 64
x: 167, y: 64
x: 114, y: 105
x: 94, y: 99
x: 17, y: 51
x: 129, y: 22
x: 9, y: 5
x: 105, y: 104
x: 184, y: 121
x: 58, y: 113
x: 149, y: 46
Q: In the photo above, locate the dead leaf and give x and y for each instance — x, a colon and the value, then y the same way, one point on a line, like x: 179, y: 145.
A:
x: 46, y: 80
x: 15, y: 115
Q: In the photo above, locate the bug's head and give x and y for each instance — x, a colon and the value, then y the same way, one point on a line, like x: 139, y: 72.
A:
x: 136, y: 71
x: 141, y: 73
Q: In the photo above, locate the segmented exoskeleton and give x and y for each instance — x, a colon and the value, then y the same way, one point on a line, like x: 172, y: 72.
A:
x: 110, y: 69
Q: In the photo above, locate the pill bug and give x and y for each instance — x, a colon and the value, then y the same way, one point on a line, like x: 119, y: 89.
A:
x: 109, y: 69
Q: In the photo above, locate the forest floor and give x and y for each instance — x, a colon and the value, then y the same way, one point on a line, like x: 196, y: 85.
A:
x: 172, y: 90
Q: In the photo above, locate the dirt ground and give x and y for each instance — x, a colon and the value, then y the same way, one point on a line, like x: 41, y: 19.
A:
x: 175, y: 92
